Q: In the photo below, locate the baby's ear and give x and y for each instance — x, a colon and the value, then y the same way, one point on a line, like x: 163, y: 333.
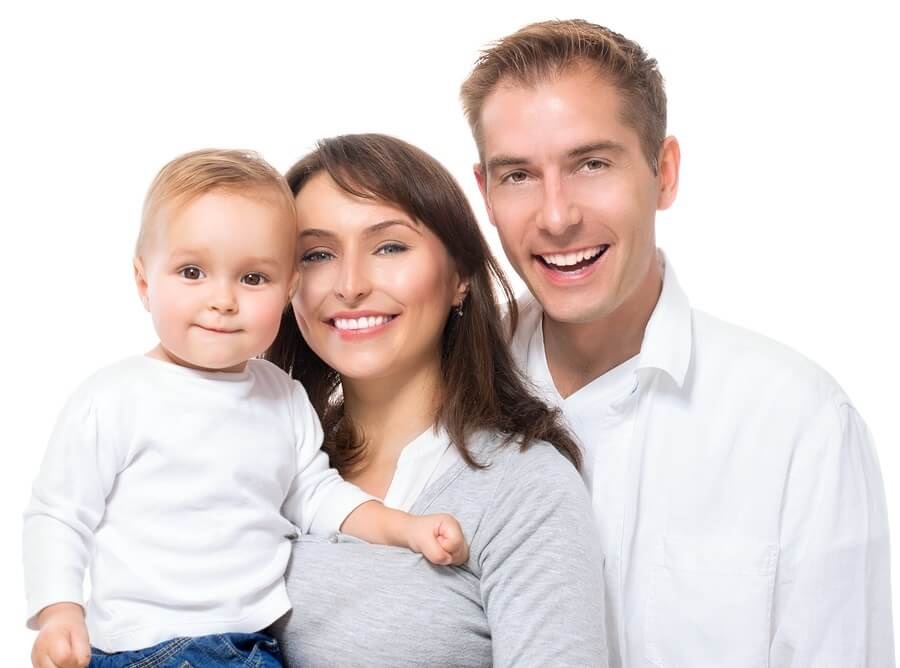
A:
x: 293, y: 284
x: 140, y: 280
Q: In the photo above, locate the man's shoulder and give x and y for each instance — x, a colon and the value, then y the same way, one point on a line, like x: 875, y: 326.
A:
x: 729, y: 352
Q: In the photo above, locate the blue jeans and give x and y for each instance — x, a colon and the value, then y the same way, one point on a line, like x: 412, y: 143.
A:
x: 244, y: 650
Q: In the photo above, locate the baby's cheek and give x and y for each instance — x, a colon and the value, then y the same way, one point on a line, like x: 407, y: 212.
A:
x: 268, y: 317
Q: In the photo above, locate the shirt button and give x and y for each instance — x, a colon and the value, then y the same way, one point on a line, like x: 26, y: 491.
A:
x: 334, y: 538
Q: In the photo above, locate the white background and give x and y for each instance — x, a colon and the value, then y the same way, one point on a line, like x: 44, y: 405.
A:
x: 786, y: 220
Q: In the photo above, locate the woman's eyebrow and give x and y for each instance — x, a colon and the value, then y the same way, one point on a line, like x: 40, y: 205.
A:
x: 313, y: 232
x: 369, y: 231
x: 378, y: 227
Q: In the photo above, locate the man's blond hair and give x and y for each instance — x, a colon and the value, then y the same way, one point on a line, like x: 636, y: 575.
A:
x: 551, y: 48
x: 193, y: 174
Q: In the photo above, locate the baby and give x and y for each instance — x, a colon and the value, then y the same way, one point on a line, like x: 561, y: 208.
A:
x: 181, y: 476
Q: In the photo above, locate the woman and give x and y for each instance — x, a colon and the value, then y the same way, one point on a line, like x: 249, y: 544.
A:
x: 403, y: 355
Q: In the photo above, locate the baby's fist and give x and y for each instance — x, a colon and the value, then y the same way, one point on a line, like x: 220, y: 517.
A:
x: 63, y: 639
x: 440, y: 539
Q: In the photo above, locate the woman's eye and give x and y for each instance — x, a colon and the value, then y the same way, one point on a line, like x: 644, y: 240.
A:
x: 315, y: 256
x: 191, y: 273
x: 391, y: 248
x: 253, y: 279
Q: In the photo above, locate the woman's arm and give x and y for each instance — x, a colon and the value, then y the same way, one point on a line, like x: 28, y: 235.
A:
x: 541, y: 566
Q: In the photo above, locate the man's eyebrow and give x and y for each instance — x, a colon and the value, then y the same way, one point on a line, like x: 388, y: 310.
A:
x: 505, y: 161
x: 369, y: 231
x: 595, y: 147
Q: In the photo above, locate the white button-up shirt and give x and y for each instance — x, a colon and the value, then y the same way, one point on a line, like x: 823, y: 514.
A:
x: 738, y: 497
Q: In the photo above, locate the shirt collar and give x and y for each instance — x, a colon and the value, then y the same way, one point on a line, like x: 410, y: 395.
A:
x: 668, y: 338
x: 416, y: 465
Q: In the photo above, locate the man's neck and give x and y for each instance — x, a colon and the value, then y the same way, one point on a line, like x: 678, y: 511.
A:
x: 578, y: 353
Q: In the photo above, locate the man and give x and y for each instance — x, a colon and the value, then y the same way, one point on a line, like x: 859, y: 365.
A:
x: 735, y: 486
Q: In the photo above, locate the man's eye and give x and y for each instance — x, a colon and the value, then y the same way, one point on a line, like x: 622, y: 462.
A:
x: 517, y: 176
x: 253, y: 278
x: 191, y: 273
x: 315, y: 256
x: 593, y: 165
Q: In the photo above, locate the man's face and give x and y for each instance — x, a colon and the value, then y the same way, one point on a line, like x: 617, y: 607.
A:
x: 570, y: 192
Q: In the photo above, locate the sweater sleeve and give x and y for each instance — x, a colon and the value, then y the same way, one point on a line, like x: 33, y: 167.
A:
x: 319, y: 500
x: 541, y: 567
x: 67, y: 503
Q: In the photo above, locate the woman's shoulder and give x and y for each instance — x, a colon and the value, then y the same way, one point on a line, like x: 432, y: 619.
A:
x: 537, y: 462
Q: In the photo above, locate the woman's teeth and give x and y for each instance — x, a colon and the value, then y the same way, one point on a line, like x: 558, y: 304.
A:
x: 362, y: 323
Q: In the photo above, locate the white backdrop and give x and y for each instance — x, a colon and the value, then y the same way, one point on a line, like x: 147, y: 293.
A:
x: 785, y: 223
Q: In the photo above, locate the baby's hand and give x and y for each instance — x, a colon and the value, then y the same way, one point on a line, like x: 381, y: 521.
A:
x: 439, y: 538
x: 63, y: 639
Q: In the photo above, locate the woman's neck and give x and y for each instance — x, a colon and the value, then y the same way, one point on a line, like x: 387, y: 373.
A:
x: 391, y: 411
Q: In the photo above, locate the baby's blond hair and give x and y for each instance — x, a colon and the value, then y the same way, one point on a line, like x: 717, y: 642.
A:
x: 190, y: 175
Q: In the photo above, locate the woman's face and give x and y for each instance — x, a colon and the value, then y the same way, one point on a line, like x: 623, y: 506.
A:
x: 376, y: 286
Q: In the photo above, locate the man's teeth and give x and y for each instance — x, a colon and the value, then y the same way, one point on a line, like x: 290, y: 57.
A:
x: 568, y: 259
x: 362, y: 323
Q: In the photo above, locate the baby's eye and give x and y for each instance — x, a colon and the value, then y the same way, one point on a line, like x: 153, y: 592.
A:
x: 391, y: 248
x: 315, y: 256
x: 192, y: 273
x: 254, y: 278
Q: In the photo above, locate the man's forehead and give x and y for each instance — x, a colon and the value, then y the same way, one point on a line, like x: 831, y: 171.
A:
x: 556, y: 116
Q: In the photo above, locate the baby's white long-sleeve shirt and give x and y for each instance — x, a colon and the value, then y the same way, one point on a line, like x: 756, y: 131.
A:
x: 180, y: 489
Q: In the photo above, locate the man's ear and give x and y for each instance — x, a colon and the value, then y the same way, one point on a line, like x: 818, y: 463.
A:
x: 140, y: 280
x: 481, y: 179
x: 669, y: 164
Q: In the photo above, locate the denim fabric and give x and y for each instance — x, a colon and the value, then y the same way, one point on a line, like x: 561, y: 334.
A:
x: 244, y: 650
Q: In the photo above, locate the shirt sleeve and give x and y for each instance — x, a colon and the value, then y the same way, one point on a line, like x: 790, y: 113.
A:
x: 832, y: 602
x: 541, y: 567
x: 319, y: 500
x: 67, y: 503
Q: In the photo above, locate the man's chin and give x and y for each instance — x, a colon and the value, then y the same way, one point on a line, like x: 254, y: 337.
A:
x: 573, y: 311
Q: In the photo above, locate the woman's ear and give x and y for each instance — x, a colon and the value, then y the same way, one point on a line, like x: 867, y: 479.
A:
x: 462, y: 289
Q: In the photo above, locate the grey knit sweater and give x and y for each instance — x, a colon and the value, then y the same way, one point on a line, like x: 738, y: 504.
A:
x: 530, y: 594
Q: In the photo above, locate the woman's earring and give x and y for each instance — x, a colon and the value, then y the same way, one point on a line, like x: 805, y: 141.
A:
x: 458, y: 308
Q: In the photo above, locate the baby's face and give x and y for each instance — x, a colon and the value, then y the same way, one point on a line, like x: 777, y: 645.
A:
x: 216, y: 275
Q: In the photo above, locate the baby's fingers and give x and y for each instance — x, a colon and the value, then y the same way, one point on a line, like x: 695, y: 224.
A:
x: 450, y: 537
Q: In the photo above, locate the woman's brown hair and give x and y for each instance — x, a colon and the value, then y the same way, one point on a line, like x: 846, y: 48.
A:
x: 481, y: 386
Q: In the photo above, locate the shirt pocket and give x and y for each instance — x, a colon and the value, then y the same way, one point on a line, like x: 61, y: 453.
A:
x: 710, y: 604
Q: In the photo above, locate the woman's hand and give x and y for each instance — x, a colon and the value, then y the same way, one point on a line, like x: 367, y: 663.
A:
x: 62, y: 641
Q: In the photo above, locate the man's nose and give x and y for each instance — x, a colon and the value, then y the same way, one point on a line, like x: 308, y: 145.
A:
x: 558, y: 212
